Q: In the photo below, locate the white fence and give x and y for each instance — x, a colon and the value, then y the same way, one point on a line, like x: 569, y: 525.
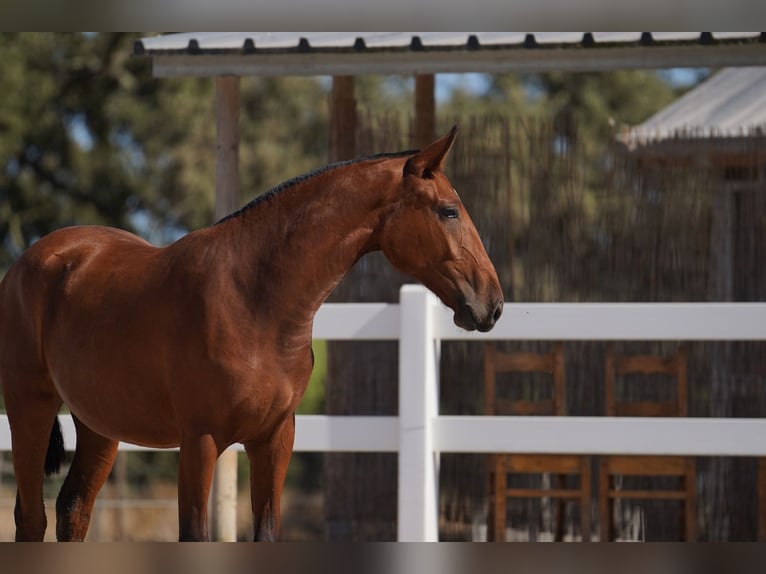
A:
x: 419, y: 322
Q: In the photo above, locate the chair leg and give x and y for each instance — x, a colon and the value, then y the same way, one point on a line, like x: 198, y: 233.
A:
x: 691, y: 500
x: 585, y: 499
x: 683, y: 509
x: 491, y: 504
x: 500, y: 492
x: 560, y: 514
x: 604, y: 514
x: 762, y: 499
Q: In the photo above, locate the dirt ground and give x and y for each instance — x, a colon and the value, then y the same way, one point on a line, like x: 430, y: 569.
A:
x: 154, y: 517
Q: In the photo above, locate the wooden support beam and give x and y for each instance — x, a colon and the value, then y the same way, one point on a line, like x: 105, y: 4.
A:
x: 227, y: 145
x: 223, y: 515
x: 487, y: 61
x: 425, y: 110
x: 342, y: 119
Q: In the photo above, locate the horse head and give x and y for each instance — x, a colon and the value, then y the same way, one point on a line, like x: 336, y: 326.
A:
x: 428, y: 234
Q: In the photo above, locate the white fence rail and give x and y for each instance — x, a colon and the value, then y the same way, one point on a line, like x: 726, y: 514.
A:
x: 419, y: 322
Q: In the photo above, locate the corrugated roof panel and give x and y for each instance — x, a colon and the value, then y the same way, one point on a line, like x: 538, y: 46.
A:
x: 734, y: 35
x: 276, y: 40
x: 558, y: 37
x: 219, y: 41
x: 676, y: 36
x: 446, y: 39
x: 500, y: 38
x: 388, y: 39
x: 336, y: 40
x: 617, y: 37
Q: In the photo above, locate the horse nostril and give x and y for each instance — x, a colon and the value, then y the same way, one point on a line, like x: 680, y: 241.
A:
x: 498, y: 310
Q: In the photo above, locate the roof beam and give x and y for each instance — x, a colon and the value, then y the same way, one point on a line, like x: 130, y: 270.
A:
x: 493, y: 61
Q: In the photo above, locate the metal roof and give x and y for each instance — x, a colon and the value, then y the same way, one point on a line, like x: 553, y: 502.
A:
x: 731, y: 103
x: 338, y: 53
x: 249, y: 42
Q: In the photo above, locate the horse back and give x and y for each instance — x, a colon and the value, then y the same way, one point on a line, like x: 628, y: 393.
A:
x: 75, y: 266
x: 66, y: 254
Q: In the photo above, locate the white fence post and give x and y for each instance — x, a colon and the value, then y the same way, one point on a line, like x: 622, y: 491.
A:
x: 418, y: 495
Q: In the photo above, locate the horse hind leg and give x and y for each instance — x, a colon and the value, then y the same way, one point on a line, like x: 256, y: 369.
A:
x: 93, y: 460
x: 37, y: 450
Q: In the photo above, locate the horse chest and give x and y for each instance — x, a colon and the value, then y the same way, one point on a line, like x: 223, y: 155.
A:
x: 250, y: 386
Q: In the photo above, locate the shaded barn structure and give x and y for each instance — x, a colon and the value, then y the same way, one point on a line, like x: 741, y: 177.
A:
x: 719, y: 127
x: 718, y: 130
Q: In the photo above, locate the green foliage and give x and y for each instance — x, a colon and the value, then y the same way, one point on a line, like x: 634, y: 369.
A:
x: 283, y: 130
x: 90, y: 137
x: 505, y: 95
x: 53, y: 85
x: 85, y: 136
x: 593, y: 100
x: 313, y: 400
x: 598, y: 101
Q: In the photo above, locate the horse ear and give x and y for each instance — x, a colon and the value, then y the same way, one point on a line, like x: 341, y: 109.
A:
x: 430, y: 158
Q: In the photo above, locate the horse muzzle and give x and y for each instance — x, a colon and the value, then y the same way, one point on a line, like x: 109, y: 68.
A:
x: 474, y: 316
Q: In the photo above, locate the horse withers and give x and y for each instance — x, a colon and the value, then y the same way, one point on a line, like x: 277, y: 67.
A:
x: 207, y: 342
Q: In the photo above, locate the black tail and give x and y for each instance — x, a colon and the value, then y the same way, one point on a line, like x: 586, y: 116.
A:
x: 55, y: 455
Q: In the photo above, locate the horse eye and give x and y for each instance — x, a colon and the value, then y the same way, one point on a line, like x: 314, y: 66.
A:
x: 448, y: 212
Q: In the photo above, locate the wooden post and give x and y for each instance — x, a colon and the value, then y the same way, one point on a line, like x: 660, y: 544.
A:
x: 227, y: 145
x: 761, y: 480
x: 342, y: 119
x: 224, y: 492
x: 425, y: 110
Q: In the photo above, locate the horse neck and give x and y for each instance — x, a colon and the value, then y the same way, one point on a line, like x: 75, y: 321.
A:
x: 292, y: 249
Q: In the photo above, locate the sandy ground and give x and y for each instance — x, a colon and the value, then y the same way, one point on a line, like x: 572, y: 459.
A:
x: 154, y: 517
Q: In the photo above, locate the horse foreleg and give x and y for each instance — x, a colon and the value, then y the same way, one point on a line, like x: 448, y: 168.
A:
x: 93, y: 460
x: 268, y: 467
x: 195, y: 473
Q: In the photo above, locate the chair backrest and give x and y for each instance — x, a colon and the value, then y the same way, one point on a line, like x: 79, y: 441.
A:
x: 673, y: 365
x: 498, y: 362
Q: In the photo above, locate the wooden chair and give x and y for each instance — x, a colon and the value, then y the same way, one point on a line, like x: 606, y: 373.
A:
x: 558, y: 466
x: 681, y: 467
x: 762, y: 499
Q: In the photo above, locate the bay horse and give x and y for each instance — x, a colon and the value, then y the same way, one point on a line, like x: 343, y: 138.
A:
x: 206, y: 342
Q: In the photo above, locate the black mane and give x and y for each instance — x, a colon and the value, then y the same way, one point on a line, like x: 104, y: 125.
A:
x: 308, y: 175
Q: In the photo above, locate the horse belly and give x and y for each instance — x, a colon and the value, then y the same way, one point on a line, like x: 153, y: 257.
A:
x: 111, y: 376
x: 118, y: 407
